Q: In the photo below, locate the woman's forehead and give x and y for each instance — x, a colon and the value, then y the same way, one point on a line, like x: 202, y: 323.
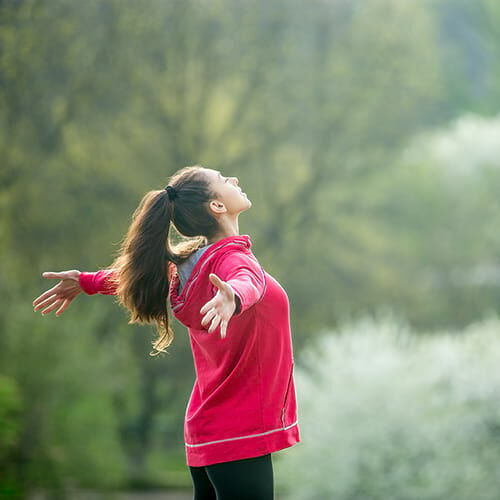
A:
x: 214, y: 173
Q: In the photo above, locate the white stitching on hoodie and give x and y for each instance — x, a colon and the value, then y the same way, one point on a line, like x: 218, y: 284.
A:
x: 186, y: 288
x: 243, y: 437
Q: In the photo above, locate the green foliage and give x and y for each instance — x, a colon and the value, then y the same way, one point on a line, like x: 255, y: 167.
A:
x: 470, y: 55
x: 68, y: 383
x: 127, y: 93
x: 97, y: 411
x: 387, y: 414
x: 10, y: 426
x: 10, y: 406
x: 443, y: 204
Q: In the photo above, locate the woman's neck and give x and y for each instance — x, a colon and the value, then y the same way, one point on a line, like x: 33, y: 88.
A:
x: 227, y: 227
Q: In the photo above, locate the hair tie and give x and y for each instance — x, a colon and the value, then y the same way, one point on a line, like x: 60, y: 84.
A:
x: 172, y: 193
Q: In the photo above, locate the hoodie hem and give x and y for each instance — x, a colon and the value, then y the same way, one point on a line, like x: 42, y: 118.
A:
x: 250, y: 446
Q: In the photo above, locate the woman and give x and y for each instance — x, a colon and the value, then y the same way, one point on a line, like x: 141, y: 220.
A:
x: 243, y: 404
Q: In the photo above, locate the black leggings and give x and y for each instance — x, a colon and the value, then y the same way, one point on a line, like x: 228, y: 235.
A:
x: 247, y: 479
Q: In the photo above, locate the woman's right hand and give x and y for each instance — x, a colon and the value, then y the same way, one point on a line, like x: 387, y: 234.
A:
x: 61, y: 295
x: 220, y: 308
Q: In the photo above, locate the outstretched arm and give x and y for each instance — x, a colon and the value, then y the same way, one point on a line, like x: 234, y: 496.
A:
x: 71, y: 284
x: 241, y: 283
x: 98, y: 282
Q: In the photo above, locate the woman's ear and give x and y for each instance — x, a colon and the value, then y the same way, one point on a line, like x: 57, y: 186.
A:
x: 217, y: 207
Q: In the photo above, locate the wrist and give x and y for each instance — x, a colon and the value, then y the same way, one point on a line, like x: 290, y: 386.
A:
x: 237, y: 303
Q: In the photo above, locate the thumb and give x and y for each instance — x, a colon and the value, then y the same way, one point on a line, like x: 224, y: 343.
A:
x: 215, y: 280
x: 223, y: 286
x: 61, y: 275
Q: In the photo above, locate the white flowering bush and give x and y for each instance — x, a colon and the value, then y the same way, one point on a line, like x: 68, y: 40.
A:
x: 386, y: 414
x: 467, y: 145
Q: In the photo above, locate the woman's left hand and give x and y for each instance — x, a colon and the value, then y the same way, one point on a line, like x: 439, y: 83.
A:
x: 220, y: 309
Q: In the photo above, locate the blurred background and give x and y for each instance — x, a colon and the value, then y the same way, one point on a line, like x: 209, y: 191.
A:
x: 367, y: 135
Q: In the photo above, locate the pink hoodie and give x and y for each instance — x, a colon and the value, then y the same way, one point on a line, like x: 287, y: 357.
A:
x: 243, y: 403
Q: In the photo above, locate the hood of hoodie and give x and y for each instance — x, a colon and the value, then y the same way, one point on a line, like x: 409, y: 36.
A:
x: 198, y: 289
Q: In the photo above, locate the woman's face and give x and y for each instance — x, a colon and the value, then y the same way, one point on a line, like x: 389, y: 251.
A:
x: 230, y: 197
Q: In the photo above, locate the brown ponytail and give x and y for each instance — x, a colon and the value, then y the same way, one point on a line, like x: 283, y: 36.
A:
x: 142, y: 264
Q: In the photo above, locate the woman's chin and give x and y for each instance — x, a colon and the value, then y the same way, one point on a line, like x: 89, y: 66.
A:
x: 246, y: 206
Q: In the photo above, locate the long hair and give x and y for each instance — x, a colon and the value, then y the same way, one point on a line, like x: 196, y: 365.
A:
x: 142, y: 265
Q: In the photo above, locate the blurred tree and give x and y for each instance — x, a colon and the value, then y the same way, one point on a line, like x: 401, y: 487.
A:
x: 10, y: 425
x: 448, y: 216
x: 469, y: 51
x: 364, y: 97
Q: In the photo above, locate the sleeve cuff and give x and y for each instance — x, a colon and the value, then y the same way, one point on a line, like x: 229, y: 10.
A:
x: 237, y: 300
x: 86, y: 281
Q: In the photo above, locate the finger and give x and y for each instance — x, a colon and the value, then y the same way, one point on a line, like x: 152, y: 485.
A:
x: 223, y: 329
x: 63, y: 308
x: 215, y: 323
x: 44, y: 295
x: 208, y: 317
x: 56, y: 304
x: 209, y: 305
x: 45, y: 302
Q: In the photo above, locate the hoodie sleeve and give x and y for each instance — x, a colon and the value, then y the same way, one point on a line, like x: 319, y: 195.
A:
x: 97, y: 282
x: 245, y: 275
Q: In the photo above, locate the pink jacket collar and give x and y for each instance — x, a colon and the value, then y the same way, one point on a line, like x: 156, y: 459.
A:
x: 242, y: 240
